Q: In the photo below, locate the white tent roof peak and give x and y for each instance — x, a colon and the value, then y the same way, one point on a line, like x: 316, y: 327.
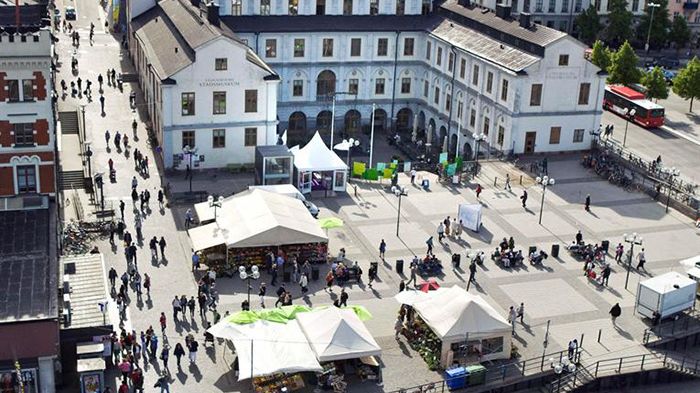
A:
x: 316, y: 156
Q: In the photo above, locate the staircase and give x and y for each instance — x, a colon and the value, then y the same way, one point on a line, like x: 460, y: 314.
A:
x: 130, y: 78
x: 69, y: 180
x: 69, y: 122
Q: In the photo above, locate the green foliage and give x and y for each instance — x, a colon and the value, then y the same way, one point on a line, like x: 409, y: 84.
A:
x: 588, y: 23
x: 623, y: 68
x: 660, y: 25
x: 601, y: 56
x: 680, y: 32
x: 687, y: 83
x: 619, y: 22
x: 655, y: 82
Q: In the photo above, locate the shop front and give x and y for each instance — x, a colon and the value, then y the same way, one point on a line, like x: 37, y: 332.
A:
x: 19, y: 380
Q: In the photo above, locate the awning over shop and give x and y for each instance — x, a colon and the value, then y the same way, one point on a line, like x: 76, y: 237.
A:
x: 257, y: 218
x: 317, y: 157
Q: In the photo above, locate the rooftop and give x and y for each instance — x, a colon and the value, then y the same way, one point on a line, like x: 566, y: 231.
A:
x: 86, y: 274
x: 312, y: 23
x: 27, y: 272
x: 31, y: 13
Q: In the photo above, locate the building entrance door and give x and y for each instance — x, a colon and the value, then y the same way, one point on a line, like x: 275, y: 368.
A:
x: 530, y: 138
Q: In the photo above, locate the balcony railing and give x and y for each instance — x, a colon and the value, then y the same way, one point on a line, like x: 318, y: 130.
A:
x: 690, y: 6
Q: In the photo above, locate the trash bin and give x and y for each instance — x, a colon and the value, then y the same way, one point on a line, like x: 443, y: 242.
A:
x: 425, y: 184
x: 399, y: 266
x: 314, y: 273
x: 605, y: 244
x: 555, y: 251
x: 456, y: 258
x: 476, y: 374
x: 456, y: 378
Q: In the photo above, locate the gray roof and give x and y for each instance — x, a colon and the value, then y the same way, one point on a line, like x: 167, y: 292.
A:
x: 313, y: 23
x: 27, y: 270
x: 88, y: 285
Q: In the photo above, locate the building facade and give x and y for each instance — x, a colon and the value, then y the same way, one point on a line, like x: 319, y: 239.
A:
x: 448, y: 69
x: 27, y: 132
x: 206, y: 92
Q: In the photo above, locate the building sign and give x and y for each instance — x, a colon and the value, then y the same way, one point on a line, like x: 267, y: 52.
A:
x: 22, y: 382
x: 561, y: 75
x: 223, y: 82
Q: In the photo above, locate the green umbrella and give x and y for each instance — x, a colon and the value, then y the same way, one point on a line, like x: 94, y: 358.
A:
x: 243, y: 317
x: 330, y: 222
x: 290, y: 312
x: 273, y: 315
x: 361, y: 312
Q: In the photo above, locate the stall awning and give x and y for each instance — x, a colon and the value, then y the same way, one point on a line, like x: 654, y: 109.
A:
x: 276, y: 347
x: 258, y: 218
x: 337, y: 334
x: 316, y: 156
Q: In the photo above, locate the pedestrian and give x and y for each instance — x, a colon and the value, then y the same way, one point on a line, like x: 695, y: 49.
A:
x: 100, y: 80
x: 414, y: 272
x: 107, y: 138
x: 160, y: 199
x: 162, y: 245
x: 163, y: 320
x: 163, y: 382
x: 137, y: 380
x: 102, y: 104
x: 179, y: 352
x: 80, y: 85
x: 413, y: 176
x: 512, y: 316
x: 472, y: 273
x: 195, y: 261
x: 571, y: 349
x: 641, y: 260
x: 615, y: 312
x: 402, y: 286
x: 134, y: 183
x: 524, y: 198
x: 125, y: 369
x: 153, y: 246
x: 164, y: 355
x: 193, y: 347
x: 441, y: 231
x: 147, y: 283
x: 382, y: 249
x: 261, y: 293
x: 343, y: 298
x: 329, y: 281
x: 606, y: 275
x: 372, y: 274
x: 507, y: 186
x: 521, y: 312
x: 429, y: 243
x: 303, y: 283
x: 122, y: 205
x: 176, y: 307
x: 154, y: 345
x: 478, y: 190
x: 112, y: 276
x: 398, y: 327
x: 124, y: 388
x: 188, y: 218
x: 191, y: 305
x: 619, y: 251
x: 588, y: 203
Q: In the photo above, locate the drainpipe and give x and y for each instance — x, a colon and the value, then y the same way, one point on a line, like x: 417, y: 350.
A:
x: 257, y: 36
x: 396, y: 77
x: 452, y: 89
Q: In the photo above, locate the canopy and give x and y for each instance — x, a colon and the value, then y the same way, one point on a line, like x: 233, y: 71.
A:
x: 337, y: 334
x: 257, y: 218
x: 275, y: 348
x: 691, y: 262
x: 470, y: 215
x: 316, y: 156
x: 454, y: 312
x: 410, y: 296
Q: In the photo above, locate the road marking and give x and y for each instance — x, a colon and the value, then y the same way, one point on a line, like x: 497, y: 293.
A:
x: 680, y: 135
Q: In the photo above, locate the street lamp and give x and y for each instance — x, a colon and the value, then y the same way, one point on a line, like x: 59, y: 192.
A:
x: 672, y: 174
x: 399, y: 191
x: 190, y: 152
x: 352, y: 142
x: 629, y: 114
x: 651, y: 20
x: 88, y: 154
x: 545, y: 182
x: 478, y: 137
x: 215, y: 203
x: 99, y: 182
x: 244, y: 275
x: 632, y: 240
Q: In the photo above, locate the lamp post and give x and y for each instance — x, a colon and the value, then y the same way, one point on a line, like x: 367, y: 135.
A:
x: 672, y: 174
x: 244, y: 275
x: 88, y: 154
x: 335, y: 94
x: 632, y: 240
x: 215, y: 203
x: 651, y: 20
x: 352, y: 142
x: 628, y: 114
x: 371, y: 136
x: 99, y: 182
x: 545, y: 182
x: 188, y: 151
x: 478, y: 137
x: 399, y: 192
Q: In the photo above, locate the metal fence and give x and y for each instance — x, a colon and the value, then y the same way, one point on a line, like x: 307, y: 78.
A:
x: 685, y: 324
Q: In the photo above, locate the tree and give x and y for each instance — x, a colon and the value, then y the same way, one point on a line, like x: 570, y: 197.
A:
x: 655, y: 82
x: 601, y: 56
x: 619, y: 22
x: 588, y: 23
x: 623, y: 68
x: 660, y: 25
x: 687, y: 83
x: 680, y: 32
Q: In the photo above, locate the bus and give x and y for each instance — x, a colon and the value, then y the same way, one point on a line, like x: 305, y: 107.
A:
x: 647, y: 114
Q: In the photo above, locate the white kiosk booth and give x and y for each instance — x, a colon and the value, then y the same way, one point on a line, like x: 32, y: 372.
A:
x: 318, y: 168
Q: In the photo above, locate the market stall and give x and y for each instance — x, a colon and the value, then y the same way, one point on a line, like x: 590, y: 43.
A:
x: 318, y: 168
x: 253, y: 224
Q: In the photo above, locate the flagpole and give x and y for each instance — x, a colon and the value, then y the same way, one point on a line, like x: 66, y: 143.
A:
x: 371, y: 137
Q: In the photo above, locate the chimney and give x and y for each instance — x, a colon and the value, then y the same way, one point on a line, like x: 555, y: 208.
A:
x: 503, y: 11
x: 464, y: 3
x: 213, y: 13
x: 525, y: 20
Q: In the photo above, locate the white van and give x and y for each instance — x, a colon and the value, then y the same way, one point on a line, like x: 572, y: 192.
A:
x: 290, y: 191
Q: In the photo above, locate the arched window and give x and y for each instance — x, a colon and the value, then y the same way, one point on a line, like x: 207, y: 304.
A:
x: 352, y: 122
x: 323, y: 122
x: 296, y: 129
x: 325, y: 83
x: 404, y: 119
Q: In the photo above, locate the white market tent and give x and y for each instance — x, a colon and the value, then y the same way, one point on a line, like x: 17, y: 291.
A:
x: 455, y: 315
x: 276, y: 347
x: 337, y: 334
x: 257, y: 218
x: 316, y: 157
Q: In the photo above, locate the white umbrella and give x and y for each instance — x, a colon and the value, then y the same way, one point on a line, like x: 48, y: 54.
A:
x: 342, y: 146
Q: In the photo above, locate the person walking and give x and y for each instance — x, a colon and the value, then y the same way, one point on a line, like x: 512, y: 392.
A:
x: 441, y: 231
x: 507, y: 186
x: 154, y: 345
x: 193, y: 347
x: 641, y: 260
x: 191, y: 305
x: 414, y: 273
x: 303, y: 283
x: 512, y: 316
x: 606, y: 275
x: 619, y: 251
x: 162, y: 245
x: 195, y: 261
x: 164, y: 381
x: 429, y: 243
x: 188, y: 218
x: 398, y: 327
x: 153, y: 246
x: 472, y: 273
x: 102, y: 104
x: 176, y: 308
x: 163, y: 321
x: 343, y: 298
x: 261, y: 294
x: 478, y: 190
x: 137, y: 380
x: 147, y: 283
x: 382, y: 249
x: 588, y: 203
x: 160, y: 199
x: 615, y: 312
x: 122, y: 205
x: 112, y: 276
x: 524, y: 198
x: 402, y: 286
x: 179, y: 352
x: 521, y: 312
x: 164, y: 355
x: 372, y: 274
x: 413, y: 176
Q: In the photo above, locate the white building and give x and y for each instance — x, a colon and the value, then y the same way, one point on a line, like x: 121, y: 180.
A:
x: 204, y: 88
x: 455, y: 67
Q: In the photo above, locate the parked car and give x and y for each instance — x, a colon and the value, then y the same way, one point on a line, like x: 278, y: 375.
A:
x: 668, y: 75
x: 70, y: 13
x: 664, y: 62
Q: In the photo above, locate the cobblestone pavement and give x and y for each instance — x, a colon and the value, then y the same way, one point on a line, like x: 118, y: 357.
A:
x: 556, y: 293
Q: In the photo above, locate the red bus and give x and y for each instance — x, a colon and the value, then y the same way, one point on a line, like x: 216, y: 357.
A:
x: 647, y: 114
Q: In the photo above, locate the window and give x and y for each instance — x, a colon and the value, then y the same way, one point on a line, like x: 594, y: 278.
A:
x: 579, y: 3
x: 425, y: 7
x: 188, y: 139
x: 578, y: 135
x: 218, y: 138
x: 563, y: 60
x: 538, y: 5
x: 236, y: 7
x: 356, y: 47
x: 28, y: 89
x: 347, y: 7
x: 400, y: 7
x: 487, y: 125
x: 504, y: 90
x: 428, y: 49
x: 298, y: 88
x: 219, y: 102
x: 460, y: 109
x: 489, y: 82
x: 26, y: 178
x: 438, y: 56
x: 13, y: 89
x: 564, y: 6
x: 353, y: 86
x: 299, y: 47
x: 475, y: 75
x: 405, y: 85
x: 436, y: 99
x: 187, y: 104
x: 293, y: 7
x: 408, y: 46
x: 264, y: 7
x: 373, y: 7
x: 552, y: 5
x: 24, y: 134
x: 583, y: 93
x: 675, y: 14
x: 462, y: 68
x: 382, y: 47
x: 472, y: 118
x: 450, y: 61
x: 379, y: 86
x: 554, y: 135
x: 320, y: 7
x: 426, y: 89
x: 221, y: 64
x: 251, y: 137
x: 536, y: 94
x: 448, y: 102
x: 271, y: 48
x: 251, y: 101
x: 327, y: 47
x: 635, y: 5
x: 501, y: 134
